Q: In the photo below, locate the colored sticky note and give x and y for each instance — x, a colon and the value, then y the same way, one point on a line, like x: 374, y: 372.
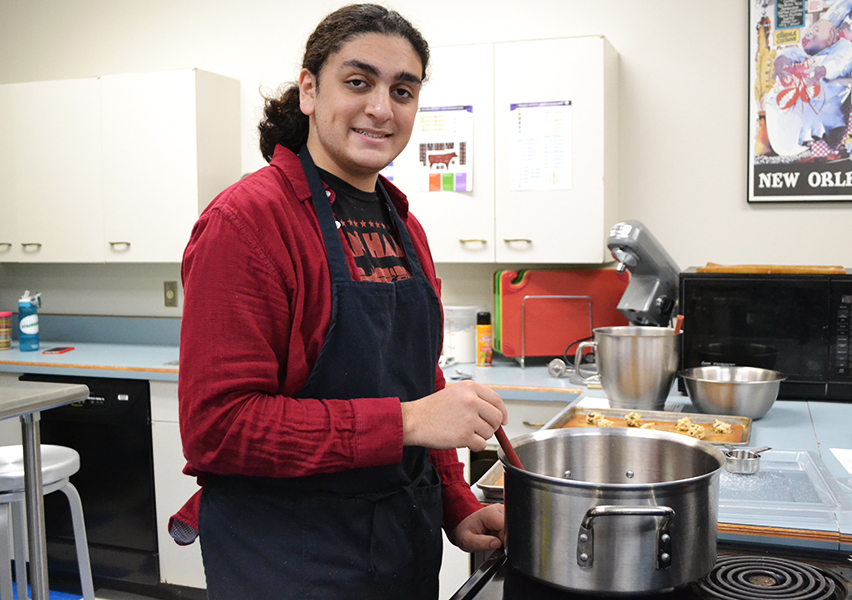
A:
x: 461, y: 182
x: 434, y: 182
x: 448, y: 181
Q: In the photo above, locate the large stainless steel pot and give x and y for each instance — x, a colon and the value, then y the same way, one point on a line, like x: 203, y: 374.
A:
x: 612, y: 511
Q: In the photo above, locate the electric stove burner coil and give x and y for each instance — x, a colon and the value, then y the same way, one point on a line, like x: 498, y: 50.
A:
x: 766, y: 578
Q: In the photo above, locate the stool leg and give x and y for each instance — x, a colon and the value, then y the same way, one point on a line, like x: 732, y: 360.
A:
x: 83, y: 563
x: 5, y: 557
x: 19, y: 535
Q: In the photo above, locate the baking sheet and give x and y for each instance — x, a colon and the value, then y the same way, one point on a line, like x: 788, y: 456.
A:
x: 740, y: 436
x: 491, y: 483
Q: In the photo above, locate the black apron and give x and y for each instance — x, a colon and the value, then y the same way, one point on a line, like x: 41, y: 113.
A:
x: 366, y: 533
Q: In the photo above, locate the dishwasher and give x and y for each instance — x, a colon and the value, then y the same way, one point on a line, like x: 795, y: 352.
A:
x: 111, y: 430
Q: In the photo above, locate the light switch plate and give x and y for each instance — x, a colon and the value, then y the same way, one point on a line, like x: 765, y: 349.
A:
x: 170, y: 293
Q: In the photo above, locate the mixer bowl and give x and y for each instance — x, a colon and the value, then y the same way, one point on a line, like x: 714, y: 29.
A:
x: 742, y: 391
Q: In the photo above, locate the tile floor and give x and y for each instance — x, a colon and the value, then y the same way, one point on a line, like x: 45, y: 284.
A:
x: 99, y: 595
x: 116, y: 595
x: 108, y: 594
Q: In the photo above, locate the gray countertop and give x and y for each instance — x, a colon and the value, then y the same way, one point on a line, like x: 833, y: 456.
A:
x: 20, y: 397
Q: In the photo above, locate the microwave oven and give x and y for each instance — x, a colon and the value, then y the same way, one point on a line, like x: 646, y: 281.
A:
x: 796, y: 324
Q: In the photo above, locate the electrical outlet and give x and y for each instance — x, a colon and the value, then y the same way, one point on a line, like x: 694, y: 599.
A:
x: 170, y: 293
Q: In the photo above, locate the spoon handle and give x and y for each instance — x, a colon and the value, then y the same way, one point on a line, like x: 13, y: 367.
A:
x: 506, y: 445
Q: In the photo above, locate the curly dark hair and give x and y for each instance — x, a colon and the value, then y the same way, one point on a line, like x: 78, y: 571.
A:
x: 283, y: 122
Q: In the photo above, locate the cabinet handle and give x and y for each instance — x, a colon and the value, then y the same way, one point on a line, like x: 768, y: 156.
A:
x: 473, y: 241
x: 26, y: 245
x: 513, y: 240
x: 5, y: 244
x: 124, y: 245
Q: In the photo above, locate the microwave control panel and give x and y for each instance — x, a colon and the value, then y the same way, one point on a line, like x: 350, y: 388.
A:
x: 841, y: 312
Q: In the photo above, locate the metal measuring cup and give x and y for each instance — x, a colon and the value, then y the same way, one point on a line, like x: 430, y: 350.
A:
x: 743, y: 462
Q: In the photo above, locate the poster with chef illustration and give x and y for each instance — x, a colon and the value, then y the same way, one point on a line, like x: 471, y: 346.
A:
x: 442, y: 139
x: 800, y: 130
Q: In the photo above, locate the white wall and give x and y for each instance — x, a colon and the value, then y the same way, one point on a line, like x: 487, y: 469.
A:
x: 683, y: 101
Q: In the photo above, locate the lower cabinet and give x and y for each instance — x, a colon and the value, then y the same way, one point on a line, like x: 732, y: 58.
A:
x: 455, y: 566
x: 182, y: 565
x: 179, y: 565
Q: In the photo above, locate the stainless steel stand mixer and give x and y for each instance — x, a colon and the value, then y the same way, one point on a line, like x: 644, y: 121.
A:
x: 652, y: 293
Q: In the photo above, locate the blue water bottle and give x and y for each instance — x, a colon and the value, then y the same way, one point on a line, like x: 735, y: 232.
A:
x: 28, y: 321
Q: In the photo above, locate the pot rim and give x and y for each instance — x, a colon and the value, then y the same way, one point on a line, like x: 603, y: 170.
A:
x: 545, y: 434
x: 636, y: 331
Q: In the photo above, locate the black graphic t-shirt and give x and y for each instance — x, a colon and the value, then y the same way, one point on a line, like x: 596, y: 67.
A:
x: 369, y: 230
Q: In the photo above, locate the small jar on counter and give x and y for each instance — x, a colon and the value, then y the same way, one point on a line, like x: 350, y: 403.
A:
x: 5, y: 330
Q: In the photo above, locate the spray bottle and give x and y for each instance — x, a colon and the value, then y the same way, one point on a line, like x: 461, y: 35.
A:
x: 483, y: 339
x: 28, y: 306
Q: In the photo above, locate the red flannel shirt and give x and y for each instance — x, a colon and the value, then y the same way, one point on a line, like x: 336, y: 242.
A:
x: 257, y: 306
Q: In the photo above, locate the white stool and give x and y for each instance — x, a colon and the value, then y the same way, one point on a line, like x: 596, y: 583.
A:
x: 58, y: 463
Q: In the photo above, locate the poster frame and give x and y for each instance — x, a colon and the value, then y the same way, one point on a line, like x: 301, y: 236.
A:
x: 782, y: 168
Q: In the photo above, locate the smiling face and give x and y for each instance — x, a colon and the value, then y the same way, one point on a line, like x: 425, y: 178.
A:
x: 363, y: 106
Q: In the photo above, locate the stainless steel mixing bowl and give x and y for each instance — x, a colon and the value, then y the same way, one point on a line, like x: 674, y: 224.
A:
x: 742, y: 391
x: 637, y: 365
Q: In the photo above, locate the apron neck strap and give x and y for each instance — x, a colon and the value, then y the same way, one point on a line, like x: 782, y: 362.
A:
x: 328, y: 224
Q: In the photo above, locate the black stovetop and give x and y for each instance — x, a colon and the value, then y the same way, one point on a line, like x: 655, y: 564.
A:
x: 741, y: 573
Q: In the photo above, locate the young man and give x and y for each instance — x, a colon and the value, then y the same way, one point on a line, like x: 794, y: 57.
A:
x: 312, y: 408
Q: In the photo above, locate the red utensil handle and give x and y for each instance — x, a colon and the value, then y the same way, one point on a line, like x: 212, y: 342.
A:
x: 678, y: 324
x: 506, y: 445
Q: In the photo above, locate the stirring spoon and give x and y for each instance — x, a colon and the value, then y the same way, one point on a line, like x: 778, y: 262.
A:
x: 506, y: 445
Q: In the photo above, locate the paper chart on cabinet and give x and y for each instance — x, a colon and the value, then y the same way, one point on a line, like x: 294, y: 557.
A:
x: 540, y: 154
x: 443, y: 139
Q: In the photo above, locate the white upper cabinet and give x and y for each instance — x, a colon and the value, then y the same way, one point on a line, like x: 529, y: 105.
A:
x: 133, y: 161
x: 171, y: 143
x: 493, y: 222
x: 460, y: 225
x: 563, y: 225
x: 50, y: 172
x: 8, y: 211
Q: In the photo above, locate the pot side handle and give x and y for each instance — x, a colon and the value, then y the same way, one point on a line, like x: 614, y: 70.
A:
x: 586, y: 537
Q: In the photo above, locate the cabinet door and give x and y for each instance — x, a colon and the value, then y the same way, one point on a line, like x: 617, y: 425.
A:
x: 179, y: 565
x: 150, y: 168
x: 565, y: 225
x: 460, y: 225
x: 455, y: 565
x: 8, y: 219
x: 52, y: 169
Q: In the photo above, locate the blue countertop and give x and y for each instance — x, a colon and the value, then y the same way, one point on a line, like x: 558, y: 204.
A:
x: 817, y: 428
x: 160, y: 363
x: 124, y: 361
